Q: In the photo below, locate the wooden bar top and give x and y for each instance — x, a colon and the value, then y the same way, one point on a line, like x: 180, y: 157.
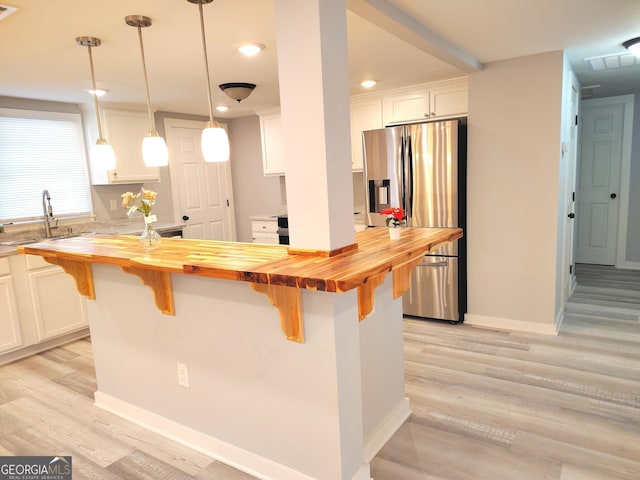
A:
x: 259, y: 263
x: 270, y: 269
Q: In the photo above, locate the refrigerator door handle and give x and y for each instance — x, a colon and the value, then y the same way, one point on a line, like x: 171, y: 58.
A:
x: 443, y: 263
x: 407, y: 174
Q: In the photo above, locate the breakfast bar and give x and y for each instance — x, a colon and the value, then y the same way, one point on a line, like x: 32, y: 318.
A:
x: 273, y: 360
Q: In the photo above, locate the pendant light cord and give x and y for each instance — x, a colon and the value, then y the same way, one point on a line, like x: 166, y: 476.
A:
x: 206, y: 62
x: 152, y: 124
x: 95, y: 93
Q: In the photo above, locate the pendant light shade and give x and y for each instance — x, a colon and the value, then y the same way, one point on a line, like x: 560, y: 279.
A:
x: 154, y: 148
x: 102, y: 154
x: 214, y: 142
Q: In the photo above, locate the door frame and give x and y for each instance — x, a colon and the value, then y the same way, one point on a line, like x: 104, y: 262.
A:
x: 175, y: 194
x: 625, y: 171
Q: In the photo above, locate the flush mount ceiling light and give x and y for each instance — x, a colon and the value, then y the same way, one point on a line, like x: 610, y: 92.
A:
x: 214, y: 140
x: 633, y: 46
x: 237, y: 90
x: 222, y: 108
x: 154, y: 148
x: 250, y: 49
x: 368, y: 83
x: 102, y: 153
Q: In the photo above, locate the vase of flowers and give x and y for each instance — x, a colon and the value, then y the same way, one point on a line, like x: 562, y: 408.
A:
x: 143, y: 202
x: 396, y: 218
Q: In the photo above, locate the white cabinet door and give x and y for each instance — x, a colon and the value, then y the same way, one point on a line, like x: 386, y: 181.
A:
x: 408, y: 107
x: 58, y: 307
x: 272, y: 144
x: 124, y: 130
x: 448, y: 101
x: 10, y: 336
x: 365, y: 115
x: 263, y: 231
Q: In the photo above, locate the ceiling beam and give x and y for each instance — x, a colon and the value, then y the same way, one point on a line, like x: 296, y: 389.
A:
x: 398, y: 23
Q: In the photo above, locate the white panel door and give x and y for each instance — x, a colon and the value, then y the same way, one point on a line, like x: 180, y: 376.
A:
x: 599, y: 188
x: 201, y: 191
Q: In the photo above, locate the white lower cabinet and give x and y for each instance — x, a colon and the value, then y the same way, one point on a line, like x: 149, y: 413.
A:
x: 57, y: 306
x: 10, y: 334
x: 39, y: 306
x: 265, y: 231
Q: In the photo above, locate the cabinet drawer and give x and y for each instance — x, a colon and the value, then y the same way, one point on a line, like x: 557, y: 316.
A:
x: 264, y: 226
x: 4, y: 266
x: 270, y: 238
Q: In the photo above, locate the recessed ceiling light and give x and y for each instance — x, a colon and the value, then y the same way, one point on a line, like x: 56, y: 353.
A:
x: 99, y: 92
x: 250, y: 49
x: 368, y: 83
x: 222, y: 108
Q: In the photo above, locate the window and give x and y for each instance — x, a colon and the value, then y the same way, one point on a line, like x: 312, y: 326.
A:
x: 42, y: 151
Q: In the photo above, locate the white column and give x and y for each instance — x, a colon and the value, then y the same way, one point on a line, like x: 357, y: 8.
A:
x: 314, y: 98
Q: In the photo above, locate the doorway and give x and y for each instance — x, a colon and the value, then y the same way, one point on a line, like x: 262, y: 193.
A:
x: 202, y: 192
x: 603, y: 180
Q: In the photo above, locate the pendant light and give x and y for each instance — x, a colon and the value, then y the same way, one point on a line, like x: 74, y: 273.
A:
x: 154, y: 148
x: 102, y: 153
x: 215, y: 142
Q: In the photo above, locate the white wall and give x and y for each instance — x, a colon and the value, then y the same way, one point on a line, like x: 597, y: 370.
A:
x: 513, y: 187
x: 254, y: 194
x: 633, y: 225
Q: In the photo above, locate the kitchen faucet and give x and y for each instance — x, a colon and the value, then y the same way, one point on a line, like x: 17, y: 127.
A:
x: 47, y: 213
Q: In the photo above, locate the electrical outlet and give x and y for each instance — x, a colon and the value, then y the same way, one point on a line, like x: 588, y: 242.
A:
x: 113, y: 204
x: 183, y: 375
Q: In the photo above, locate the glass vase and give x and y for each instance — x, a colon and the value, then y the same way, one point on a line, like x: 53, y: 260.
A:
x: 149, y: 238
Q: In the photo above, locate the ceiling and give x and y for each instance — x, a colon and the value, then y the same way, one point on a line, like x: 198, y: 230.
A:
x: 396, y: 42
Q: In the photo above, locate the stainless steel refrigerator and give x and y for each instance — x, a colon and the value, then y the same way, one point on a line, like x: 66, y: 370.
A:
x: 422, y: 168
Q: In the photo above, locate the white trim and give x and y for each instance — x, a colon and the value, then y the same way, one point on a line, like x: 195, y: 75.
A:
x: 629, y: 265
x: 236, y: 457
x: 387, y: 428
x: 625, y: 178
x: 509, y: 324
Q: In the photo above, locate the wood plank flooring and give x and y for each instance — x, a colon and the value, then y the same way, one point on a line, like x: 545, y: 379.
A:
x: 486, y: 405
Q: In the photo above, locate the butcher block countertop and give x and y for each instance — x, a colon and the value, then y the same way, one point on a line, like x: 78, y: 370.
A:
x: 276, y: 270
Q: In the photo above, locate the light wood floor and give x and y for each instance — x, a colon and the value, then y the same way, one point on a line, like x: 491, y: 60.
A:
x: 486, y: 405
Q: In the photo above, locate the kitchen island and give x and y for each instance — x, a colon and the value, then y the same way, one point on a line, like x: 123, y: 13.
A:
x: 183, y: 346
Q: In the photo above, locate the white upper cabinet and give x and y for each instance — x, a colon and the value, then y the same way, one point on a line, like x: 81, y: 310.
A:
x: 124, y: 130
x: 365, y: 115
x: 272, y: 144
x: 426, y: 102
x: 449, y: 100
x: 408, y: 107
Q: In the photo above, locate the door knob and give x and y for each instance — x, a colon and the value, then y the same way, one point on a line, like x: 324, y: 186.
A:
x: 185, y: 217
x: 571, y: 215
x: 613, y: 195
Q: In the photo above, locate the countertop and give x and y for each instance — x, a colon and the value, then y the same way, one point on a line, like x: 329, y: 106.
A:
x: 268, y: 264
x: 278, y: 271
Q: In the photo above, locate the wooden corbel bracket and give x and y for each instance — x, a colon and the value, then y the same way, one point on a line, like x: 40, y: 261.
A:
x: 160, y: 284
x: 402, y: 276
x: 288, y: 301
x: 81, y: 272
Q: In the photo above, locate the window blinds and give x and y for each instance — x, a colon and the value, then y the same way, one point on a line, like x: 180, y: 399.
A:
x: 38, y: 151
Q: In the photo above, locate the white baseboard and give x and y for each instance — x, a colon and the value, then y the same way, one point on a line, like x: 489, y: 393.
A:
x: 236, y: 457
x: 559, y: 319
x: 387, y: 428
x: 509, y: 324
x: 629, y: 265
